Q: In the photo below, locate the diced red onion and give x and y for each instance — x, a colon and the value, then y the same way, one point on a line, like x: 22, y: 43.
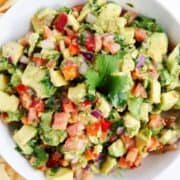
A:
x: 90, y: 18
x: 10, y: 60
x: 47, y: 44
x: 96, y: 114
x: 88, y: 55
x: 83, y: 68
x: 109, y: 35
x: 141, y: 61
x: 120, y: 130
x: 24, y: 60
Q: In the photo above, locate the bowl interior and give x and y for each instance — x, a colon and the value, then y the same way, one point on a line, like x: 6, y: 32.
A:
x: 17, y: 22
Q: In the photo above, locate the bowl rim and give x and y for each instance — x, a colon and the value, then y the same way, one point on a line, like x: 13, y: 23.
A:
x: 162, y: 5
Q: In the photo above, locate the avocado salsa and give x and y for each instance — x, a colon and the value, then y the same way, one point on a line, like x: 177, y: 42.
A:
x: 90, y: 89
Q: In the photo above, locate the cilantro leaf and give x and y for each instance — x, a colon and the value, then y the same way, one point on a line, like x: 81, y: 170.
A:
x: 104, y: 76
x: 104, y: 66
x: 41, y: 157
x: 147, y: 23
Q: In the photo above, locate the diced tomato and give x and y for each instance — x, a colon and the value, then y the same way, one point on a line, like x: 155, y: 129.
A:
x: 23, y: 41
x: 110, y: 46
x: 139, y: 91
x: 68, y: 41
x: 78, y: 7
x: 74, y: 49
x: 54, y: 160
x: 91, y: 155
x: 98, y: 42
x: 123, y: 163
x: 137, y: 162
x: 169, y: 120
x: 168, y: 147
x: 60, y: 120
x: 92, y: 129
x: 21, y: 88
x: 135, y: 74
x: 129, y: 142
x: 87, y: 175
x: 140, y: 35
x: 74, y: 117
x: 75, y: 144
x: 132, y: 155
x: 105, y: 125
x: 86, y: 103
x: 103, y: 136
x: 47, y: 33
x: 32, y: 115
x: 155, y: 121
x: 75, y: 129
x: 68, y: 106
x: 61, y: 22
x: 71, y: 34
x: 25, y: 120
x: 153, y: 144
x: 70, y: 70
x: 26, y: 100
x: 38, y: 104
x: 39, y: 61
x: 153, y: 73
x: 90, y: 42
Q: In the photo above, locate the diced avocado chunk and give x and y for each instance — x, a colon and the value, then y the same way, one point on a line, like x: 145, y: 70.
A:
x: 62, y: 174
x: 14, y: 116
x: 128, y: 34
x: 168, y: 100
x: 57, y: 78
x: 77, y: 93
x: 172, y: 62
x: 169, y: 136
x: 48, y: 135
x: 134, y: 106
x: 12, y: 50
x: 104, y: 106
x: 177, y: 105
x: 128, y: 64
x: 41, y: 84
x: 9, y: 103
x: 6, y: 66
x: 117, y: 149
x: 3, y: 82
x: 109, y: 20
x: 33, y: 40
x: 144, y: 112
x: 73, y: 22
x: 43, y: 18
x: 132, y: 125
x: 23, y: 136
x: 50, y: 54
x: 157, y: 46
x: 142, y: 139
x: 155, y: 91
x: 108, y: 165
x: 16, y: 78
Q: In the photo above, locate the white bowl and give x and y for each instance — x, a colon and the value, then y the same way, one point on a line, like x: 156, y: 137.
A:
x: 16, y: 23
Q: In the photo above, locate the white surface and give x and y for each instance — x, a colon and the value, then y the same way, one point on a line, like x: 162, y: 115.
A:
x: 16, y: 22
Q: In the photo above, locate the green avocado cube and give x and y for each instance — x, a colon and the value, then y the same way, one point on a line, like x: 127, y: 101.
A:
x: 168, y: 100
x: 108, y: 165
x: 12, y: 50
x: 62, y: 174
x: 117, y: 149
x: 9, y: 103
x: 3, y: 82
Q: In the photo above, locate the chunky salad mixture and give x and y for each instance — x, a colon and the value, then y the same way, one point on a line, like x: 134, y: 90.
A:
x: 88, y: 88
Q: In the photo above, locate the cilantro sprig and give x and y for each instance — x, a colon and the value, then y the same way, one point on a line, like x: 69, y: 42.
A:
x: 104, y: 77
